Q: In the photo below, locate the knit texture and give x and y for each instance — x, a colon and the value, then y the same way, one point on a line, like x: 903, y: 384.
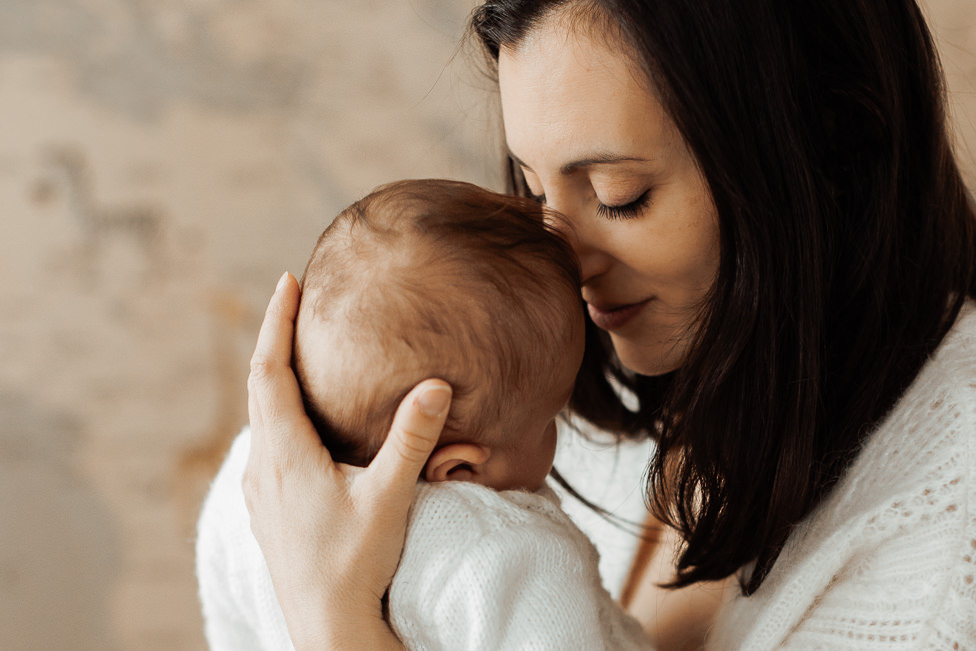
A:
x: 489, y: 570
x: 480, y: 570
x: 240, y: 610
x: 887, y: 560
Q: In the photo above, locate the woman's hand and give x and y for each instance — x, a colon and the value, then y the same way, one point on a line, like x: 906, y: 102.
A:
x: 331, y: 534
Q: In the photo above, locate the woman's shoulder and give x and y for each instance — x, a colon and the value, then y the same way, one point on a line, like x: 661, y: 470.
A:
x: 925, y: 444
x: 895, y: 534
x: 957, y: 352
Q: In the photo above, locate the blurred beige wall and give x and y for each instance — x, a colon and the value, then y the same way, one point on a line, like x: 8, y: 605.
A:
x: 161, y: 163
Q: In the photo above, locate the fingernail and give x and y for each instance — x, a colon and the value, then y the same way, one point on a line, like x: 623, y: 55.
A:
x: 434, y: 401
x: 281, y: 282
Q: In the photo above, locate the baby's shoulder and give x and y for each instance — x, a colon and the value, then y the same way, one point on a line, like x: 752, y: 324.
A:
x: 463, y: 516
x: 478, y: 508
x: 477, y: 539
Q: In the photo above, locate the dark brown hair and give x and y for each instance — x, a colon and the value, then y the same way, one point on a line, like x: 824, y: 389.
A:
x: 847, y: 248
x: 428, y: 265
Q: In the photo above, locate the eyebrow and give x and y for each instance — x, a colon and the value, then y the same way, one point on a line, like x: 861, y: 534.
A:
x: 596, y: 159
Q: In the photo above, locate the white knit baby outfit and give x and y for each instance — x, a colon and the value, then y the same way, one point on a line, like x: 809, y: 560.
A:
x: 481, y: 570
x: 489, y: 570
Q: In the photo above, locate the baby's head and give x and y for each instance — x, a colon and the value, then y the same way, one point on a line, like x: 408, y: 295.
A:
x: 442, y: 279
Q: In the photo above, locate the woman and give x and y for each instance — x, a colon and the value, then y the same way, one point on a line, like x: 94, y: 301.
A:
x: 779, y: 259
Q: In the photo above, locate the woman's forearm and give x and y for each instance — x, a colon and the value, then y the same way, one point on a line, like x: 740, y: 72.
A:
x: 673, y: 619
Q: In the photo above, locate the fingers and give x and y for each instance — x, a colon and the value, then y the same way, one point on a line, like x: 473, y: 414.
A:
x: 416, y: 428
x: 274, y: 399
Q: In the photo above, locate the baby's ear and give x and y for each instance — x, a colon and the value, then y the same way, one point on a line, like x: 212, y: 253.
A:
x: 456, y: 462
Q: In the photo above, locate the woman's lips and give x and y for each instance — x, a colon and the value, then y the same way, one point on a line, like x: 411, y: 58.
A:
x: 613, y: 318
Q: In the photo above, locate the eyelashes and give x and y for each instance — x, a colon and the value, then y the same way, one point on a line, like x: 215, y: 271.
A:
x: 612, y: 213
x: 625, y: 211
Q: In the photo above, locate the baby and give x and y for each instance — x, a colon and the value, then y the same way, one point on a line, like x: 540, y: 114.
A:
x: 438, y: 279
x: 442, y: 279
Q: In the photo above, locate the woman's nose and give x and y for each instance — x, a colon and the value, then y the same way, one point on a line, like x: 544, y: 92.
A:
x: 581, y: 235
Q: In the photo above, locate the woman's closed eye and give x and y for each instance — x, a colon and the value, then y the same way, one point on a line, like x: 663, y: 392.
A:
x: 624, y: 211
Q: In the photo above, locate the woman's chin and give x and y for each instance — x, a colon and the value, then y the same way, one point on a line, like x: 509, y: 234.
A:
x: 652, y: 360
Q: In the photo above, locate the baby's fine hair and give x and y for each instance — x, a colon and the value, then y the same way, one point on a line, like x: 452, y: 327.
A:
x: 474, y: 283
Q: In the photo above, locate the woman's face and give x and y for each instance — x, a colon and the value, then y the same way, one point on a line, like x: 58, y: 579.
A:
x: 596, y: 144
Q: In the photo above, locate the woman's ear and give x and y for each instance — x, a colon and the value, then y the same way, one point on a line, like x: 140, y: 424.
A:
x: 456, y: 462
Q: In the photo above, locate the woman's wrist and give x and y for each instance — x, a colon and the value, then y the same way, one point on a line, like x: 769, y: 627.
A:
x: 318, y: 620
x: 344, y: 633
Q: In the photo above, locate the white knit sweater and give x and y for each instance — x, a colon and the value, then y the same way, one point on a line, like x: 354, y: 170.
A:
x: 888, y: 560
x: 480, y: 570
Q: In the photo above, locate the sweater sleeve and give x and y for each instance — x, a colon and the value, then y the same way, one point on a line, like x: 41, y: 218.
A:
x: 240, y: 611
x: 522, y: 582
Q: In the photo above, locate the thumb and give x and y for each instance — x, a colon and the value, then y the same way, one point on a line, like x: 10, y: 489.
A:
x: 416, y: 428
